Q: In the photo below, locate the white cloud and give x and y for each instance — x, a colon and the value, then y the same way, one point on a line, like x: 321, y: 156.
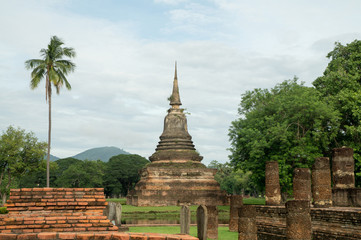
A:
x: 171, y: 2
x: 123, y: 78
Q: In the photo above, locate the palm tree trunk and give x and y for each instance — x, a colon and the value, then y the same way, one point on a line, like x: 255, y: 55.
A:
x: 49, y: 141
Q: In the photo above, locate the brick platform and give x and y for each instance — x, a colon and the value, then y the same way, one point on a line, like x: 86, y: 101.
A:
x: 95, y: 236
x: 55, y: 210
x: 64, y: 213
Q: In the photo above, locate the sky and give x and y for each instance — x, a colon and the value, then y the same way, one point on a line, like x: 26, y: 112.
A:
x: 126, y: 51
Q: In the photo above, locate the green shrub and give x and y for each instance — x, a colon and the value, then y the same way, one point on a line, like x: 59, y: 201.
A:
x: 3, y: 210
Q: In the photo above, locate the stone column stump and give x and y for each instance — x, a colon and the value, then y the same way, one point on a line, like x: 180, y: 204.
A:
x: 247, y: 226
x: 236, y: 201
x: 343, y: 168
x: 321, y: 183
x: 273, y: 190
x: 298, y: 220
x: 202, y: 222
x: 212, y: 226
x: 118, y: 214
x: 302, y: 184
x: 185, y: 219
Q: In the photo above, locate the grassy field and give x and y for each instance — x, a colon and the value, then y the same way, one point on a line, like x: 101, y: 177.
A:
x: 254, y: 201
x: 223, y: 232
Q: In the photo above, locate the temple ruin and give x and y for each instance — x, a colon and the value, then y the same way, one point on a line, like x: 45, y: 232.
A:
x: 176, y: 175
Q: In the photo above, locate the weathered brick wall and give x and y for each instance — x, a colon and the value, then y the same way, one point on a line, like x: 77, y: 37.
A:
x: 346, y: 197
x: 55, y: 210
x: 327, y: 223
x: 95, y: 236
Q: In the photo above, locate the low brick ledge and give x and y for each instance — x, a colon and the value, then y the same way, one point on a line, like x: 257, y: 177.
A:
x: 94, y: 236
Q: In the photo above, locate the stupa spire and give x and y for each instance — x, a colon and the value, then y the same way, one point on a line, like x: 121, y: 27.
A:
x: 175, y: 98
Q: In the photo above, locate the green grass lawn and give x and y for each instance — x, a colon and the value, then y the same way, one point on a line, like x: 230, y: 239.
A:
x: 254, y: 201
x: 223, y: 232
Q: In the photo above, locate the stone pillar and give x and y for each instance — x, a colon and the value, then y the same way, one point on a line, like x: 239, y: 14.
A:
x: 273, y: 189
x: 321, y: 183
x: 185, y: 219
x: 118, y: 214
x: 302, y: 184
x: 247, y: 226
x: 202, y: 222
x: 298, y: 220
x: 236, y: 201
x: 212, y: 226
x: 111, y: 211
x: 343, y: 168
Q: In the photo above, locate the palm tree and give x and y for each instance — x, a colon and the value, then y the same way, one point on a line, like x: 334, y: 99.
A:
x: 53, y: 68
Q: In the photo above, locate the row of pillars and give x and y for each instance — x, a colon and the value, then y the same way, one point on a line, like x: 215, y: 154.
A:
x: 298, y: 221
x: 321, y: 192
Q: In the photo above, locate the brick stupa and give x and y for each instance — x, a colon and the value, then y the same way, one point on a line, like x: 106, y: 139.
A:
x: 176, y: 175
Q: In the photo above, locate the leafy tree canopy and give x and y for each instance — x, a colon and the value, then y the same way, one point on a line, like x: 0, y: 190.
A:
x: 289, y: 124
x: 123, y: 173
x: 341, y: 86
x: 20, y: 153
x: 233, y: 181
x: 82, y: 174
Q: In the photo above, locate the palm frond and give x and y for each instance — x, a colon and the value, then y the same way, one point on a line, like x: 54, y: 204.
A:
x: 36, y: 76
x: 53, y: 67
x: 64, y: 80
x: 53, y: 76
x: 69, y: 52
x: 33, y: 63
x: 65, y: 66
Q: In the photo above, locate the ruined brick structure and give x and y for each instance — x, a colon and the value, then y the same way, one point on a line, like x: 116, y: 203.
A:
x: 302, y: 184
x: 176, y: 175
x: 327, y: 223
x: 343, y: 168
x: 55, y: 210
x: 321, y: 183
x: 64, y: 213
x: 298, y: 220
x: 247, y: 226
x: 236, y: 201
x: 273, y: 189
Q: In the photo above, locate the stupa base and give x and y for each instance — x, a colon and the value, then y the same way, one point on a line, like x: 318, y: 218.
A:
x: 177, y: 184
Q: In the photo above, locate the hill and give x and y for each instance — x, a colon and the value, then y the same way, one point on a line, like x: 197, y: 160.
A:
x: 102, y: 153
x: 52, y: 157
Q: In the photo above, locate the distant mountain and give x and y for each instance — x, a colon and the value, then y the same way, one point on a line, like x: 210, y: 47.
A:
x: 52, y: 158
x: 102, y: 153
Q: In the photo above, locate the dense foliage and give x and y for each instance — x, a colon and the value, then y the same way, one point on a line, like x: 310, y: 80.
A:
x: 233, y: 181
x: 340, y: 85
x: 122, y: 173
x: 289, y: 123
x: 117, y: 176
x: 20, y: 153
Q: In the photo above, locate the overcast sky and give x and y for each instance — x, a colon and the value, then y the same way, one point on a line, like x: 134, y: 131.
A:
x: 125, y: 64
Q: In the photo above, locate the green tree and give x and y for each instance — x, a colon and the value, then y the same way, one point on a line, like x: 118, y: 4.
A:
x: 231, y: 180
x: 20, y: 153
x: 37, y: 178
x: 82, y: 174
x: 63, y: 164
x: 289, y: 124
x: 340, y: 85
x: 123, y: 173
x: 54, y: 68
